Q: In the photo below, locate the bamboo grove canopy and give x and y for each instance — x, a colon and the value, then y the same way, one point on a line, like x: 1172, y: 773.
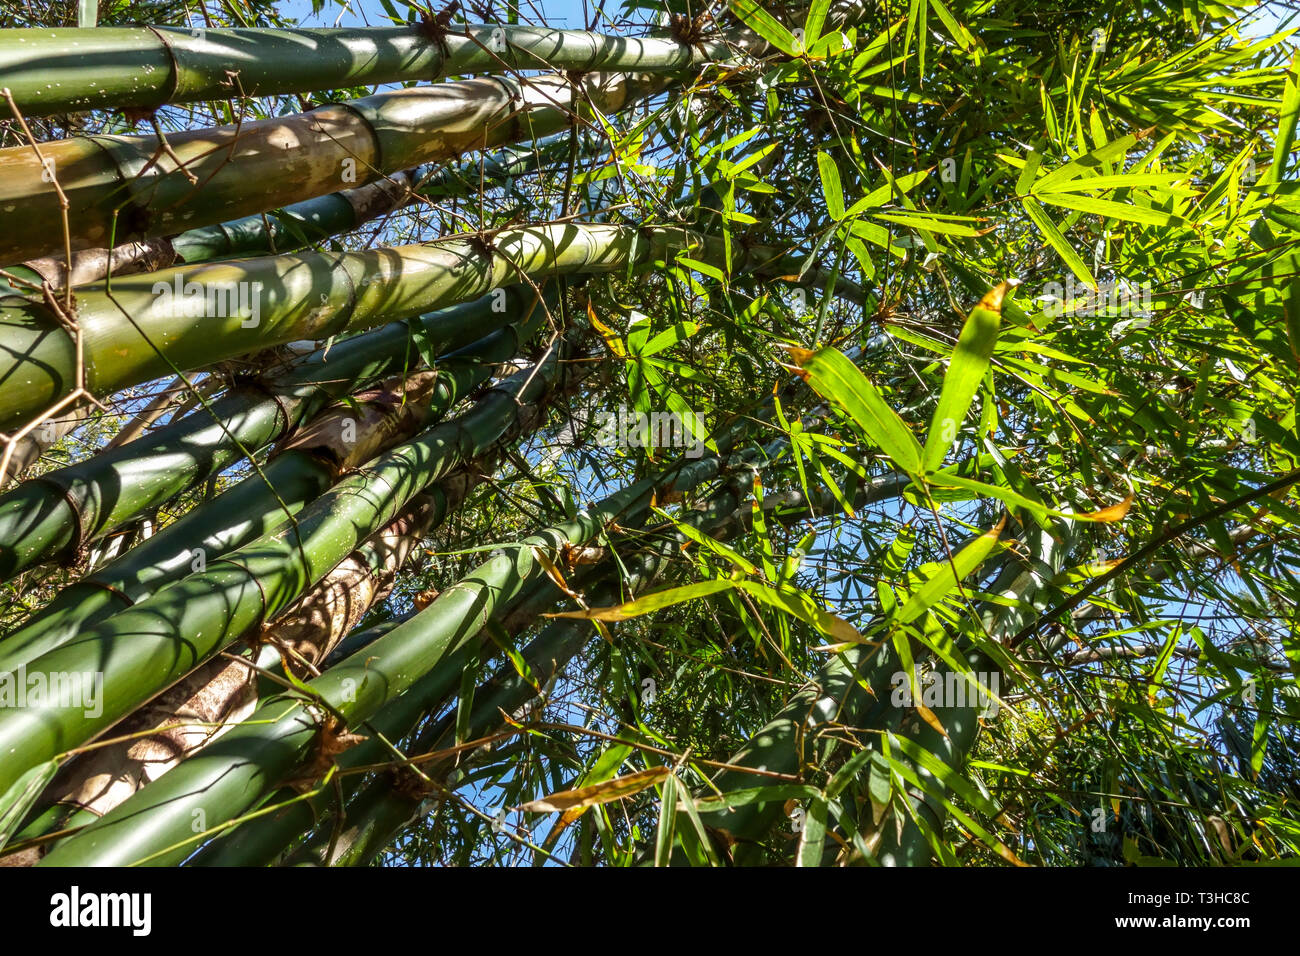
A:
x: 824, y: 433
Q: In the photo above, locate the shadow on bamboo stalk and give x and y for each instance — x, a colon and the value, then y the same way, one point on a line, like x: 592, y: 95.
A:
x: 57, y: 516
x: 339, y: 439
x: 144, y: 327
x: 148, y: 67
x: 141, y: 651
x: 213, y: 698
x: 126, y: 188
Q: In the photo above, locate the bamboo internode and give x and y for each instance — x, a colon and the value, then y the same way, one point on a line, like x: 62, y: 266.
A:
x: 143, y: 68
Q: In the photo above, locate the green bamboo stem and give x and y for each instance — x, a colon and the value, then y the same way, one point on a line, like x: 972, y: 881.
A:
x: 56, y: 71
x: 126, y: 188
x: 141, y: 651
x: 297, y: 225
x: 311, y: 626
x: 282, y: 730
x: 280, y: 230
x: 214, y: 698
x: 261, y: 841
x: 440, y: 681
x: 257, y: 505
x: 376, y: 814
x: 132, y: 333
x: 58, y: 514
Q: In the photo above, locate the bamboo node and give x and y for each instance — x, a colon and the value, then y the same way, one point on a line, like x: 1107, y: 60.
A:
x: 435, y: 27
x: 688, y: 31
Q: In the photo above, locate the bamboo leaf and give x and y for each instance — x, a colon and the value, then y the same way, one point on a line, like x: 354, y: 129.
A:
x: 667, y: 821
x: 831, y: 187
x: 1096, y: 159
x: 1288, y: 115
x: 1106, y: 208
x: 752, y: 14
x: 598, y: 793
x: 949, y: 574
x: 19, y: 798
x: 970, y: 360
x: 1057, y: 241
x: 837, y: 379
x: 796, y: 603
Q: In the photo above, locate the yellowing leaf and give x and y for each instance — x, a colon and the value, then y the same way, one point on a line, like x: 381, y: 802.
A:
x: 598, y: 793
x: 1109, y: 515
x: 606, y: 333
x: 929, y: 717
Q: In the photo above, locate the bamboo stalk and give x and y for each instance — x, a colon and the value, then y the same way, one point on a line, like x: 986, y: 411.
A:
x: 283, y: 729
x: 144, y: 328
x: 143, y: 68
x: 213, y: 698
x: 141, y: 651
x: 384, y: 805
x: 69, y: 507
x: 306, y: 631
x: 441, y: 680
x: 262, y: 502
x: 127, y: 188
x: 295, y: 226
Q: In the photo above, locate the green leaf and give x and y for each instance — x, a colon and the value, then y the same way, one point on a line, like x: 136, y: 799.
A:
x: 816, y: 21
x: 795, y: 603
x: 667, y: 820
x: 18, y: 799
x: 1111, y: 210
x: 949, y: 574
x: 813, y: 835
x: 831, y: 187
x: 752, y: 14
x: 87, y: 13
x: 834, y: 377
x: 1097, y: 159
x: 970, y: 361
x: 1288, y: 114
x: 1057, y: 241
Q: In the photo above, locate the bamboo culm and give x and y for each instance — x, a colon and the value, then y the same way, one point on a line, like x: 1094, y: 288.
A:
x: 58, y: 515
x: 139, y: 652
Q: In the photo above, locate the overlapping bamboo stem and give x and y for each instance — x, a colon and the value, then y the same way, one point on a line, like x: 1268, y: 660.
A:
x: 58, y: 515
x: 336, y: 440
x: 283, y: 729
x: 141, y: 651
x: 133, y: 333
x: 128, y: 188
x: 143, y: 68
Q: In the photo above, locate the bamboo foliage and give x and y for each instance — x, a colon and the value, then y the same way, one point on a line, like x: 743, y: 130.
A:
x: 281, y: 731
x: 1030, y: 274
